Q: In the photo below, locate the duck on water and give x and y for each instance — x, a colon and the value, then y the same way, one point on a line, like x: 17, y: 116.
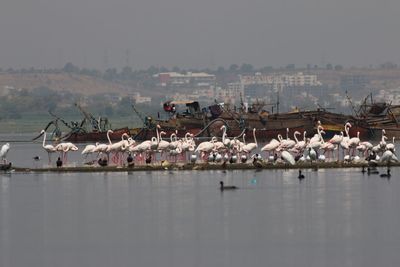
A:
x: 226, y: 187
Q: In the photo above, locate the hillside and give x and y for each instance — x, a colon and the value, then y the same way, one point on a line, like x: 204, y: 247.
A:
x: 75, y: 83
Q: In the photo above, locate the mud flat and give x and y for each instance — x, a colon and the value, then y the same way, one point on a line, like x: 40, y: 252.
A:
x: 201, y: 166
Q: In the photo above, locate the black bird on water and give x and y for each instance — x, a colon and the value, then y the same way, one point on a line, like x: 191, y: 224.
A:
x: 59, y: 162
x: 301, y: 176
x: 226, y: 187
x: 387, y: 174
x: 36, y: 158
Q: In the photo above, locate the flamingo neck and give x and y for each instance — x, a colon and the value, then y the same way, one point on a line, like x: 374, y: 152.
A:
x: 254, y: 135
x: 295, y: 137
x: 44, y: 138
x: 108, y: 137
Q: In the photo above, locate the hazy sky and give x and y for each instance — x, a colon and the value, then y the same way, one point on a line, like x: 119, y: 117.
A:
x: 198, y: 33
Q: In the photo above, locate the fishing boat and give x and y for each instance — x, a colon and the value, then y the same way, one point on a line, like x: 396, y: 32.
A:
x: 378, y: 116
x: 207, y: 122
x: 89, y: 129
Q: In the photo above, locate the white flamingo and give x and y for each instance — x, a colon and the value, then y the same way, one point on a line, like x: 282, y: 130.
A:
x: 288, y: 158
x: 3, y: 152
x: 247, y: 148
x: 271, y: 146
x: 206, y: 147
x: 300, y: 145
x: 226, y: 141
x: 390, y: 146
x: 89, y: 150
x: 388, y: 156
x: 49, y: 148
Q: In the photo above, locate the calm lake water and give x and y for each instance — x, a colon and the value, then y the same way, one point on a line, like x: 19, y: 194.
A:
x: 337, y: 217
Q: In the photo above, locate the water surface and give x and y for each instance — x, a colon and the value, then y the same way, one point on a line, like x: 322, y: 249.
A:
x: 334, y: 217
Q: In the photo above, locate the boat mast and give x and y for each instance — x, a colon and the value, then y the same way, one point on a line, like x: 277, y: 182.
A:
x: 277, y: 102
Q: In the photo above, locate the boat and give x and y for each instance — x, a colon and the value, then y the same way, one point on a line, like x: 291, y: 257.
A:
x: 207, y: 122
x: 95, y: 136
x: 379, y: 116
x: 89, y: 129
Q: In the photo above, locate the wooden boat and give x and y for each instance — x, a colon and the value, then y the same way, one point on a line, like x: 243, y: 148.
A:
x: 89, y: 129
x: 206, y: 123
x: 81, y: 137
x: 379, y: 116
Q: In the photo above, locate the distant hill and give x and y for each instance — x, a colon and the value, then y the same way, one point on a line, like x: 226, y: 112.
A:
x: 75, y: 83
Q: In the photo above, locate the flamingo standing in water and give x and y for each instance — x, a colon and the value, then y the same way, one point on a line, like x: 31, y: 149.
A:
x: 247, y: 148
x: 206, y: 147
x: 64, y: 148
x: 49, y: 148
x: 271, y: 147
x: 336, y: 140
x: 3, y: 152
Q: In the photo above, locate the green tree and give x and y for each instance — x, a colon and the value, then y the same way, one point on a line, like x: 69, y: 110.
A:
x: 233, y: 68
x: 70, y: 68
x: 246, y: 68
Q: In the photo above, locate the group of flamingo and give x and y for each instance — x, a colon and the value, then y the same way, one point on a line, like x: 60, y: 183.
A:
x: 316, y: 148
x: 289, y: 150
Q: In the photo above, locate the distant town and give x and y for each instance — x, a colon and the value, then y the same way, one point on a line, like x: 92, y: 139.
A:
x: 112, y: 92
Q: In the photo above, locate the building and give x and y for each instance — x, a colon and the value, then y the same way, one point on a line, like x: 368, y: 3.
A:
x: 141, y: 99
x: 280, y: 81
x: 175, y: 79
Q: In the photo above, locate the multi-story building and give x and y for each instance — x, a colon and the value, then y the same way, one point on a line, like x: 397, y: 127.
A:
x: 280, y: 81
x: 175, y: 79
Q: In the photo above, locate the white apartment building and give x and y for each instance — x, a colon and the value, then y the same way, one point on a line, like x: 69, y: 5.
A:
x: 231, y: 94
x: 141, y: 99
x: 280, y: 81
x: 199, y: 79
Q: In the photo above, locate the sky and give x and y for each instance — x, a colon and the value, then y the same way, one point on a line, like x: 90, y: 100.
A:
x: 198, y: 34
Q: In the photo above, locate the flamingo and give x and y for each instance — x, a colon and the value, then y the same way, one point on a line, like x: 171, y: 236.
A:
x: 174, y: 140
x: 89, y: 150
x: 344, y: 144
x: 145, y: 146
x: 64, y: 148
x: 390, y: 146
x: 3, y: 152
x: 247, y: 148
x: 226, y: 141
x: 388, y: 156
x: 317, y: 136
x: 49, y: 148
x: 206, y: 147
x: 271, y: 146
x: 287, y: 157
x: 317, y: 140
x: 354, y: 141
x: 300, y: 145
x: 162, y: 144
x: 175, y: 152
x: 288, y: 143
x: 328, y: 147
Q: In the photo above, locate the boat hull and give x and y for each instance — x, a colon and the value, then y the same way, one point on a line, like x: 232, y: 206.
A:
x: 96, y: 136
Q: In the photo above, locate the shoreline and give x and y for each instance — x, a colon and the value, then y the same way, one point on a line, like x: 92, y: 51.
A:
x: 199, y: 167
